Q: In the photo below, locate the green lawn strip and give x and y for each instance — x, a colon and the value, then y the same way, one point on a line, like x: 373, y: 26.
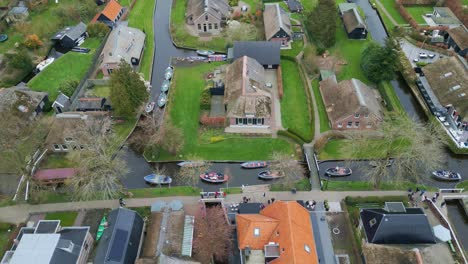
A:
x: 417, y: 12
x: 308, y: 5
x: 366, y: 186
x: 141, y: 17
x: 66, y: 218
x: 463, y: 184
x: 295, y: 114
x: 336, y: 149
x: 57, y: 160
x: 296, y: 48
x: 388, y: 93
x: 164, y: 191
x: 101, y: 91
x: 386, y: 20
x: 392, y: 10
x: 324, y: 123
x: 301, y: 185
x: 232, y: 190
x: 123, y: 129
x: 5, y: 235
x: 71, y: 66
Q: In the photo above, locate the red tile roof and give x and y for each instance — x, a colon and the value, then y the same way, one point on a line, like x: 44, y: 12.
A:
x: 111, y: 11
x: 247, y: 223
x: 54, y: 174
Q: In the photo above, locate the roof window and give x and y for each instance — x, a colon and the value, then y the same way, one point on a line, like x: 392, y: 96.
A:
x: 462, y: 95
x: 448, y: 74
x: 372, y: 222
x: 307, y: 248
x: 256, y: 231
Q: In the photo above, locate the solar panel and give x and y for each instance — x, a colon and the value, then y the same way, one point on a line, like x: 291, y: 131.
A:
x: 119, y: 243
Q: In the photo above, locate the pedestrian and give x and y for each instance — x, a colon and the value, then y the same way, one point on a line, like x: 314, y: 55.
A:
x: 121, y: 202
x: 201, y: 195
x: 269, y: 201
x: 437, y: 195
x: 443, y: 204
x: 410, y: 190
x: 433, y: 199
x: 224, y: 194
x: 425, y: 198
x: 422, y: 192
x: 216, y: 195
x: 272, y: 200
x: 314, y: 202
x: 264, y: 194
x: 417, y: 189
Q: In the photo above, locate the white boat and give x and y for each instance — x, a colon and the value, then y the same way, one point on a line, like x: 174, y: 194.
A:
x: 165, y: 86
x: 149, y: 107
x: 43, y: 64
x: 191, y: 164
x: 168, y: 73
x: 157, y: 179
x: 162, y: 100
x: 446, y: 175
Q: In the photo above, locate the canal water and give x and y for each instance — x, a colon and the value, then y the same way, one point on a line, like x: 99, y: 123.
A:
x: 459, y: 222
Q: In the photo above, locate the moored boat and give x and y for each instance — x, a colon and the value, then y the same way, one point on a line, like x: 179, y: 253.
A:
x: 269, y: 175
x: 165, y: 86
x: 157, y: 179
x: 162, y: 100
x: 254, y: 164
x: 338, y: 171
x: 205, y: 53
x: 214, y: 177
x: 149, y: 107
x: 191, y: 164
x: 446, y: 175
x: 101, y: 228
x: 168, y: 73
x: 43, y: 64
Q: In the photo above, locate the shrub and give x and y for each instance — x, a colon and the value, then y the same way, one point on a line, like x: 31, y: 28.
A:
x: 68, y: 87
x: 216, y: 139
x: 233, y: 2
x: 20, y: 60
x: 374, y: 199
x: 205, y: 100
x: 279, y: 79
x: 98, y: 30
x: 33, y: 41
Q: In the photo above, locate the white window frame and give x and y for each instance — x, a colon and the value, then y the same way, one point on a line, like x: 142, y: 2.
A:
x: 340, y: 125
x: 256, y: 231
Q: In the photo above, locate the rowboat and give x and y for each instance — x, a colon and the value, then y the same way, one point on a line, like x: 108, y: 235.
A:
x: 101, y: 228
x: 157, y: 179
x: 191, y: 164
x: 269, y: 175
x: 214, y: 177
x: 162, y: 100
x: 165, y: 86
x: 338, y: 172
x: 205, y: 53
x: 254, y: 164
x: 43, y: 64
x: 168, y: 73
x: 149, y: 107
x: 374, y: 163
x: 446, y: 175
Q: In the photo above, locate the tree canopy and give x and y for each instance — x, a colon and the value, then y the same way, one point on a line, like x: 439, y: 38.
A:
x: 321, y: 23
x: 379, y: 62
x: 127, y: 90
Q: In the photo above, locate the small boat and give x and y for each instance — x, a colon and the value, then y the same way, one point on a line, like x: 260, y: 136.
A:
x: 3, y: 37
x: 43, y: 64
x: 162, y: 100
x: 101, y: 228
x: 446, y: 175
x: 205, y: 53
x: 374, y: 163
x: 165, y: 86
x: 168, y: 73
x: 191, y: 164
x: 254, y: 164
x: 338, y: 172
x: 269, y: 175
x: 149, y: 107
x: 214, y: 177
x: 157, y: 179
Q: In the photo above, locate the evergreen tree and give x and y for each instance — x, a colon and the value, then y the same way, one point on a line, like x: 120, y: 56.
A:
x: 379, y: 63
x: 321, y: 23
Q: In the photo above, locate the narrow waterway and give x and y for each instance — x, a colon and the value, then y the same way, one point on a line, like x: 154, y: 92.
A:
x: 459, y: 222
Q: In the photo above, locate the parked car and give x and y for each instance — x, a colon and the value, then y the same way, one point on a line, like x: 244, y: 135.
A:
x: 422, y: 55
x: 431, y: 56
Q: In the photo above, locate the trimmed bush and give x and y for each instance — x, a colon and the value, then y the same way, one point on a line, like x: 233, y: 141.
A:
x: 205, y: 100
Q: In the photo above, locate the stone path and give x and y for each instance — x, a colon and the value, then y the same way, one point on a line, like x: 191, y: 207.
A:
x: 162, y: 232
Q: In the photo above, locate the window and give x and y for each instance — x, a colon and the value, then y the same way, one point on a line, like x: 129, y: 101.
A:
x: 356, y: 115
x: 249, y: 121
x: 256, y: 231
x: 277, y: 233
x: 206, y: 17
x: 356, y: 124
x: 372, y: 222
x: 369, y: 125
x: 244, y: 121
x: 199, y: 26
x: 340, y: 125
x: 261, y: 121
x: 209, y: 26
x: 64, y: 147
x: 68, y: 139
x: 350, y: 124
x: 366, y: 115
x: 254, y: 121
x: 109, y: 71
x: 307, y: 248
x: 215, y: 26
x: 57, y: 147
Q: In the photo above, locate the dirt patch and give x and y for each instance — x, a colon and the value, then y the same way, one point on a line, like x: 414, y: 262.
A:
x: 175, y: 233
x: 342, y: 236
x: 438, y: 253
x: 330, y: 63
x: 152, y: 235
x: 388, y: 255
x: 92, y: 219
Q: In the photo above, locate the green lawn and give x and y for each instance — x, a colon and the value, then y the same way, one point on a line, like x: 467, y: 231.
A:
x: 297, y: 46
x: 335, y: 149
x: 295, y: 114
x: 386, y: 20
x: 56, y: 160
x: 301, y: 185
x: 165, y: 191
x: 123, y: 129
x: 308, y: 5
x: 388, y: 93
x: 101, y: 91
x: 183, y: 109
x: 392, y: 10
x: 141, y: 17
x: 71, y: 66
x: 463, y: 184
x: 324, y: 123
x: 366, y: 186
x: 66, y: 218
x: 417, y: 12
x: 5, y: 235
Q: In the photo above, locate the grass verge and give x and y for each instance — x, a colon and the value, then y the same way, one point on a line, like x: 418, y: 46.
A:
x: 392, y: 10
x: 417, y: 12
x: 390, y: 97
x: 301, y: 185
x: 324, y: 122
x: 463, y: 184
x: 366, y: 186
x: 66, y: 218
x: 164, y: 191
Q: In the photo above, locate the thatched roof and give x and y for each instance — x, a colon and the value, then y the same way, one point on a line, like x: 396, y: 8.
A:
x: 274, y: 19
x: 459, y: 36
x: 348, y: 97
x: 217, y: 8
x: 14, y: 97
x: 387, y: 254
x: 123, y: 43
x: 352, y: 20
x: 448, y: 79
x: 245, y: 92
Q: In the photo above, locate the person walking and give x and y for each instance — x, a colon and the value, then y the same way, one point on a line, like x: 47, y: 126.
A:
x: 121, y: 202
x: 422, y: 192
x: 264, y: 194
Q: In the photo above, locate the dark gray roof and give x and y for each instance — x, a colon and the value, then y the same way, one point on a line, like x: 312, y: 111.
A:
x: 62, y: 100
x: 121, y: 240
x: 18, y: 10
x: 294, y: 5
x: 249, y: 208
x: 74, y: 32
x: 410, y: 227
x: 70, y: 244
x: 265, y: 52
x: 90, y: 103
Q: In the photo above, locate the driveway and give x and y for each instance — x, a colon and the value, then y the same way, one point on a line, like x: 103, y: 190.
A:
x: 412, y: 52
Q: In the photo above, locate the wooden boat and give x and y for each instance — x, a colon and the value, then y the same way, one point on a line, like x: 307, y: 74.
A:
x: 214, y: 177
x: 374, y: 163
x: 446, y: 175
x: 101, y: 228
x: 43, y: 64
x: 338, y: 172
x: 162, y: 100
x: 149, y: 107
x: 165, y: 86
x: 254, y: 164
x: 205, y: 53
x: 269, y: 175
x: 157, y: 179
x: 168, y: 73
x: 191, y: 164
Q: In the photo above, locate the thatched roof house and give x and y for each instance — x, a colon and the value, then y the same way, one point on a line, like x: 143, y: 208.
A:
x: 207, y: 15
x: 22, y: 101
x: 277, y: 24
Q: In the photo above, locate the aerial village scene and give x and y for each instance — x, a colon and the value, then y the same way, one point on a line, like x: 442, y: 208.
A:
x: 233, y: 131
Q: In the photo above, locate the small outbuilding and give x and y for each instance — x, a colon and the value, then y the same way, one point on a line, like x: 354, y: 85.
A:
x: 110, y: 15
x: 355, y: 26
x: 17, y: 14
x: 70, y: 37
x: 457, y: 38
x: 277, y: 24
x: 294, y: 6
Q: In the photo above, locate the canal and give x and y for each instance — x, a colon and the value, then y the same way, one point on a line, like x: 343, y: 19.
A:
x: 459, y: 221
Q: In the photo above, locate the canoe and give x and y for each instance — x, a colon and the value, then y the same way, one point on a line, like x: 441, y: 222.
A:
x: 214, y: 177
x: 165, y: 86
x: 191, y: 164
x: 168, y: 73
x: 149, y: 107
x: 101, y: 228
x: 374, y: 163
x: 162, y: 100
x: 43, y: 64
x: 269, y: 175
x: 157, y: 179
x: 254, y: 164
x: 338, y: 172
x: 205, y: 53
x: 446, y: 175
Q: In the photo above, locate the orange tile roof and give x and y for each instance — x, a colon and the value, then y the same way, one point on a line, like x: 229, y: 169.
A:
x: 246, y: 223
x: 112, y: 10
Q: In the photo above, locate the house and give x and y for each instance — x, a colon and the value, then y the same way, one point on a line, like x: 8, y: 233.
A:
x: 395, y: 224
x: 207, y: 16
x: 280, y: 233
x: 294, y: 6
x: 457, y: 38
x: 22, y: 101
x: 122, y: 239
x: 355, y: 26
x: 266, y: 53
x: 17, y: 14
x: 48, y: 242
x: 92, y: 104
x: 443, y: 16
x: 247, y: 99
x: 70, y: 37
x: 110, y: 14
x: 350, y: 104
x: 61, y: 103
x: 125, y: 43
x: 76, y: 131
x: 277, y: 24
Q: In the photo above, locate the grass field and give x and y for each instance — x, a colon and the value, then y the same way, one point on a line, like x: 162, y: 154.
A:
x: 141, y: 17
x: 324, y: 123
x: 183, y: 109
x: 71, y: 66
x: 388, y: 93
x: 66, y: 218
x: 366, y: 186
x: 101, y: 91
x: 295, y: 114
x: 392, y: 10
x: 417, y: 12
x: 165, y: 191
x: 297, y: 46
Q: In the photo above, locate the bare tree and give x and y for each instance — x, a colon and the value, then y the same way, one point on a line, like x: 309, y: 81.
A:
x: 287, y: 167
x: 159, y: 170
x: 169, y: 137
x: 191, y: 174
x: 415, y: 148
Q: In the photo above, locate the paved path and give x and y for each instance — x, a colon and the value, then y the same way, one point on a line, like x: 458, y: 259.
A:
x: 19, y: 213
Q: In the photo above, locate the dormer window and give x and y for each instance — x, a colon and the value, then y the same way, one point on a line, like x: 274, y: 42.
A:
x: 372, y: 222
x: 256, y: 232
x: 366, y: 115
x: 206, y: 17
x: 356, y: 115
